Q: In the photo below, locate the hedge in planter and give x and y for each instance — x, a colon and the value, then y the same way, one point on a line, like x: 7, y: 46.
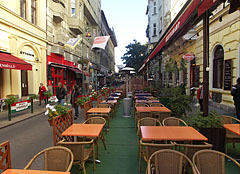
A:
x: 211, y: 127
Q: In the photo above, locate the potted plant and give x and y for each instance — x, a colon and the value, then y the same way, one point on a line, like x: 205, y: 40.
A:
x: 54, y: 111
x: 211, y: 127
x: 81, y: 100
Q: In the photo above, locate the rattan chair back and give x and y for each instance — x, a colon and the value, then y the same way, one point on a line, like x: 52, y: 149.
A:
x: 156, y: 105
x: 148, y: 121
x: 80, y: 152
x: 226, y: 119
x: 174, y: 121
x: 211, y: 162
x: 168, y: 161
x: 153, y: 98
x: 103, y: 105
x: 5, y: 156
x: 95, y: 120
x: 56, y: 158
x: 190, y: 149
x: 141, y: 105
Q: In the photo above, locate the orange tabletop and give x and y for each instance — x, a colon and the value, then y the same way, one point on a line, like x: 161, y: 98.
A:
x: 235, y: 128
x: 84, y: 130
x: 110, y: 101
x: 152, y: 109
x: 99, y: 110
x: 21, y: 171
x: 175, y: 133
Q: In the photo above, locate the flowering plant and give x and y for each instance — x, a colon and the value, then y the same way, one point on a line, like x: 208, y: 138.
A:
x: 93, y: 95
x: 56, y: 110
x: 82, y: 99
x: 104, y: 90
x: 51, y: 112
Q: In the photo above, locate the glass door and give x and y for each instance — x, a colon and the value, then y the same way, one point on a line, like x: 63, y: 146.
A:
x: 24, y: 83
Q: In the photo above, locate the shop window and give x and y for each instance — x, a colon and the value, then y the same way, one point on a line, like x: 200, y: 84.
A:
x: 33, y: 12
x: 23, y: 8
x: 218, y: 67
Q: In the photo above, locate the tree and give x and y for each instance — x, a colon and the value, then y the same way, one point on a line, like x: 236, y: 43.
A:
x: 135, y: 55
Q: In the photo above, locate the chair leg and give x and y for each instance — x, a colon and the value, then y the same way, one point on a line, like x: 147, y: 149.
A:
x: 102, y: 137
x: 94, y: 164
x: 139, y: 159
x: 83, y: 166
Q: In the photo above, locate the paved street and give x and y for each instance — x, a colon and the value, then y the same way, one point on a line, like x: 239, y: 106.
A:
x: 29, y: 137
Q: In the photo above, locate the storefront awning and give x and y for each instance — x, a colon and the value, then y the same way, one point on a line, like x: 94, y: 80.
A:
x: 8, y: 61
x: 77, y: 71
x: 187, y: 16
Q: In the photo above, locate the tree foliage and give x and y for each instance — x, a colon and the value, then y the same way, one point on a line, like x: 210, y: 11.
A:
x: 135, y: 55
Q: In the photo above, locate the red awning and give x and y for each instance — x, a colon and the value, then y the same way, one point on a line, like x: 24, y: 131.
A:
x: 188, y: 14
x: 8, y: 61
x: 75, y: 70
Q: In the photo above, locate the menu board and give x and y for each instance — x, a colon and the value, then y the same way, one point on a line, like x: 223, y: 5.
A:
x: 228, y: 74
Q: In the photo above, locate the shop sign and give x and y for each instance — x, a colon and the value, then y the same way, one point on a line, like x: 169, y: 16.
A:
x: 188, y: 56
x: 27, y: 53
x: 52, y: 99
x: 4, y: 41
x: 20, y: 106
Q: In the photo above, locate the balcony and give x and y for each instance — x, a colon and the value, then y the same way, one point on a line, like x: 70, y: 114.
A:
x: 75, y: 25
x: 58, y: 10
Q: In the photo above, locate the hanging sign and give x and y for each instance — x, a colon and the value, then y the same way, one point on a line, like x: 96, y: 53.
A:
x: 100, y: 42
x: 188, y: 56
x: 20, y: 106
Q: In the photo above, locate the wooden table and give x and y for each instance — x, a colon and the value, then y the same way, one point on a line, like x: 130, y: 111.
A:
x: 152, y: 109
x: 235, y: 128
x: 174, y: 133
x: 21, y: 171
x: 99, y: 110
x: 84, y: 130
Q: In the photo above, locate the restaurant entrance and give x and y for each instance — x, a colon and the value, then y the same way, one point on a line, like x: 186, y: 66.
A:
x: 24, y: 83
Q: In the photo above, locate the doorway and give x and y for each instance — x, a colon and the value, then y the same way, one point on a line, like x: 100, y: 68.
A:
x: 24, y: 83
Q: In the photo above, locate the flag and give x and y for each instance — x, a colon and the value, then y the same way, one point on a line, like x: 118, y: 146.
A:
x: 72, y: 43
x: 100, y: 42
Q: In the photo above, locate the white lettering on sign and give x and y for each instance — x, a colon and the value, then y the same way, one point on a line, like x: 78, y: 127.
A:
x: 7, y: 66
x: 21, y: 106
x: 173, y: 31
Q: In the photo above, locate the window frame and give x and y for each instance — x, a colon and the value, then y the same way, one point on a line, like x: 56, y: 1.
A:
x: 218, y: 68
x: 23, y: 3
x: 34, y: 9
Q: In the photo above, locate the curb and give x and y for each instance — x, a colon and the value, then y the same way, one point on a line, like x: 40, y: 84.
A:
x: 23, y: 119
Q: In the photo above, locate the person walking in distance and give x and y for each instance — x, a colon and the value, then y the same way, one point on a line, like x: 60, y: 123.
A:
x: 60, y: 94
x: 75, y: 93
x: 200, y: 96
x: 235, y: 92
x: 41, y: 91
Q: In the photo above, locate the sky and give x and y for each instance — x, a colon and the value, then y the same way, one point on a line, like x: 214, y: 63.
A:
x: 129, y: 20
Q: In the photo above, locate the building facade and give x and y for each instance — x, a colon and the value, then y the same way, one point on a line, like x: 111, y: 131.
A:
x: 23, y: 34
x: 68, y: 20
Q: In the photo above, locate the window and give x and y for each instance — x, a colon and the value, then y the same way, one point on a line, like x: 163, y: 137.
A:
x: 33, y: 12
x: 23, y: 8
x: 194, y: 74
x: 160, y: 25
x: 154, y: 9
x: 73, y: 7
x: 154, y: 30
x: 80, y: 12
x: 218, y: 67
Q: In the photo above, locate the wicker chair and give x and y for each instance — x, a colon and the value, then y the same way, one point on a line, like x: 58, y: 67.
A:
x: 152, y: 98
x: 173, y: 121
x: 136, y: 113
x: 103, y: 106
x: 97, y: 120
x: 230, y: 136
x: 211, y: 162
x: 80, y: 152
x: 55, y: 159
x: 190, y: 149
x: 147, y: 121
x: 5, y: 156
x: 147, y: 149
x: 168, y: 161
x: 156, y: 105
x: 105, y: 116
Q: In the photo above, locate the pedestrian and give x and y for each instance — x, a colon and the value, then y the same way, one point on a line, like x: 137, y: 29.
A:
x: 235, y: 92
x: 200, y: 96
x: 41, y: 91
x: 60, y: 94
x: 74, y: 95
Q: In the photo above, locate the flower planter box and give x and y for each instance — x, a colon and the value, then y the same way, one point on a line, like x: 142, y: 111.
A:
x: 50, y: 122
x: 216, y: 137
